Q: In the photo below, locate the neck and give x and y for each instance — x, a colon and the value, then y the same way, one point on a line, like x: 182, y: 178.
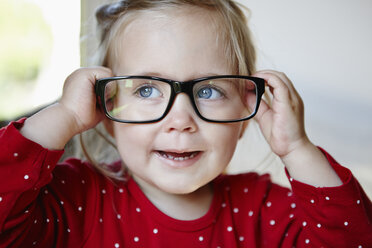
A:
x: 179, y: 206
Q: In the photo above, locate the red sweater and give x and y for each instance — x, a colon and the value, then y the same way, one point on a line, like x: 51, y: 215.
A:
x: 45, y: 204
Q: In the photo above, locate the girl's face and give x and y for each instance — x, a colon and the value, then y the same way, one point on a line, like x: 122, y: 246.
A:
x: 181, y: 153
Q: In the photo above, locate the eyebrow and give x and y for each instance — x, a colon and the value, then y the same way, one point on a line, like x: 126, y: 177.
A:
x: 161, y: 75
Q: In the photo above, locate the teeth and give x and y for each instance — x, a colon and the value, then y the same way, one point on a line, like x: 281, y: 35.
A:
x: 168, y: 156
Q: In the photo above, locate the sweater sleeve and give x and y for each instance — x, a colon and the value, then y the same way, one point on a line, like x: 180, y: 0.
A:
x: 333, y: 216
x: 40, y: 205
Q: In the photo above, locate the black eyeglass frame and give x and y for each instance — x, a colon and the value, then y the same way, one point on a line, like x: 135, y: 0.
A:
x: 176, y: 88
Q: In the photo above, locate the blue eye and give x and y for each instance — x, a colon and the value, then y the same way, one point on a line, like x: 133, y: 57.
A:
x: 209, y: 93
x: 148, y: 92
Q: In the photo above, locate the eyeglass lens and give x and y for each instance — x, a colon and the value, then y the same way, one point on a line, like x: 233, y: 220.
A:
x: 222, y: 99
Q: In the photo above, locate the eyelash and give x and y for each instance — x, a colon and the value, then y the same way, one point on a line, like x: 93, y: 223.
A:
x: 148, y: 85
x: 220, y: 90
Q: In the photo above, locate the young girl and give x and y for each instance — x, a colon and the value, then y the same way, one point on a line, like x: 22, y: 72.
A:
x: 177, y: 86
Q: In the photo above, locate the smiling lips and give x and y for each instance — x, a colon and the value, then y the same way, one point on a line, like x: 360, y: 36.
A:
x: 178, y: 156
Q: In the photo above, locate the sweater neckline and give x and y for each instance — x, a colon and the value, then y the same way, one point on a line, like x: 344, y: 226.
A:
x: 170, y: 222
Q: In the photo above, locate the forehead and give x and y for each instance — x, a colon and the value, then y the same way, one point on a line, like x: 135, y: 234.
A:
x: 171, y: 42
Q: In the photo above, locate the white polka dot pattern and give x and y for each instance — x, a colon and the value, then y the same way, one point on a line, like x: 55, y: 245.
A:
x: 239, y: 201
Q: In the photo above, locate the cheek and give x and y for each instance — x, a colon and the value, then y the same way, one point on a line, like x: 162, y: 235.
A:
x: 223, y: 138
x: 132, y: 140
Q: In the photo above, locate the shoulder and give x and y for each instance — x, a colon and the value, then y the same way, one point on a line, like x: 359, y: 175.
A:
x: 76, y: 171
x: 256, y: 187
x: 75, y: 178
x: 73, y: 169
x: 74, y: 166
x: 78, y: 175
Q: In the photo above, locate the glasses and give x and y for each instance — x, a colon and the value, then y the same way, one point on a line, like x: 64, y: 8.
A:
x: 146, y: 99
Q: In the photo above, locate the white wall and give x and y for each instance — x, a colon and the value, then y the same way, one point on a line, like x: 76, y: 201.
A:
x: 325, y: 47
x: 64, y: 57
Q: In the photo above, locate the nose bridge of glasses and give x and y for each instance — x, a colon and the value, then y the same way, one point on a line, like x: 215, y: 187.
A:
x: 180, y: 87
x: 183, y: 87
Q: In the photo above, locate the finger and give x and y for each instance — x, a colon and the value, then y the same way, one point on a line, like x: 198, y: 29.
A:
x: 285, y: 80
x: 264, y: 118
x: 278, y: 88
x: 102, y: 72
x: 262, y: 110
x: 295, y: 96
x: 90, y: 74
x: 99, y: 72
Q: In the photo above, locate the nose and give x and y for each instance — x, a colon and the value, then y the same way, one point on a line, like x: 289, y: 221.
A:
x: 181, y: 117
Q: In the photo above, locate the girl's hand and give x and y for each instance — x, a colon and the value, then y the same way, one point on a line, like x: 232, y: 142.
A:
x: 76, y: 112
x: 79, y: 98
x: 282, y: 125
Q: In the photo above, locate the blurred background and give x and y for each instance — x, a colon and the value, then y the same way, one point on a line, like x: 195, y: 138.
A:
x: 323, y: 46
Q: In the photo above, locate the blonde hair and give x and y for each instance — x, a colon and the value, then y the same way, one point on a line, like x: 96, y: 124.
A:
x: 233, y: 33
x: 236, y: 36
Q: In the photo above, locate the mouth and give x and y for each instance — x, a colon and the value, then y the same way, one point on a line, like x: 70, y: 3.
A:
x: 178, y: 156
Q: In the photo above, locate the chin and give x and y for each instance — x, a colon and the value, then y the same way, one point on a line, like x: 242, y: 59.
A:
x: 181, y: 188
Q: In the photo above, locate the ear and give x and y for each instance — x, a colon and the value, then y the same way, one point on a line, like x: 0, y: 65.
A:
x: 243, y: 128
x: 108, y: 124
